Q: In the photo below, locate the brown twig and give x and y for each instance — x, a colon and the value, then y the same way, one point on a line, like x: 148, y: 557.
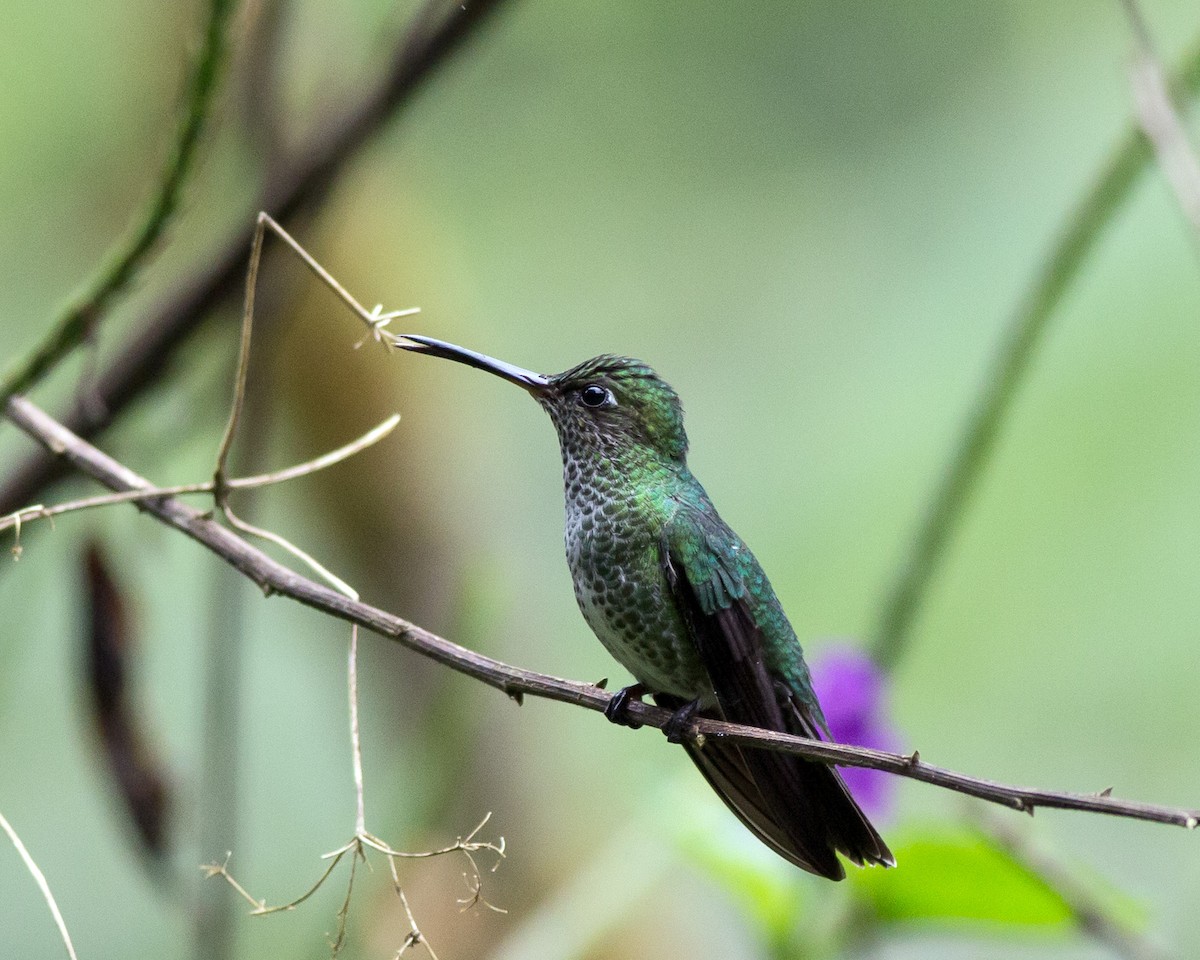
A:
x: 414, y: 935
x: 220, y: 486
x: 275, y: 578
x: 356, y: 848
x: 19, y: 518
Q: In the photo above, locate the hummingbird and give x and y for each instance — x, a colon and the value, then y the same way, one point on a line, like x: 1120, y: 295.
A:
x: 681, y: 603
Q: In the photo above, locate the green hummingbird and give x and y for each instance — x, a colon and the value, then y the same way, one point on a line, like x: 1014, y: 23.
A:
x: 680, y: 601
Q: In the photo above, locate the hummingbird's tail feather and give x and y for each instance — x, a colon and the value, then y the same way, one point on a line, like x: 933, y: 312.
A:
x: 850, y: 830
x: 799, y: 808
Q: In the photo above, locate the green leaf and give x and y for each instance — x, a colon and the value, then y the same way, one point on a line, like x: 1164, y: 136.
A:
x: 946, y: 875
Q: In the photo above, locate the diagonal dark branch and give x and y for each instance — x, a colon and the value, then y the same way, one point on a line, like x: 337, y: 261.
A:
x: 433, y: 37
x: 274, y: 578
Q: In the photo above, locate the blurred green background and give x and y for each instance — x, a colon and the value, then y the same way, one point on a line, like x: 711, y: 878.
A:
x: 814, y: 219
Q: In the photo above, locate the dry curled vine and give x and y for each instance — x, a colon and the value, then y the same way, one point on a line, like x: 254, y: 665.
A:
x: 469, y: 846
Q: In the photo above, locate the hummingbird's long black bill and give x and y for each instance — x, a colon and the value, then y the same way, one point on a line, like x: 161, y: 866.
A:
x: 533, y: 382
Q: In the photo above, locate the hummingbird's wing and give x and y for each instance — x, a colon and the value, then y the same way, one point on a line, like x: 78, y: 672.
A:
x: 798, y: 807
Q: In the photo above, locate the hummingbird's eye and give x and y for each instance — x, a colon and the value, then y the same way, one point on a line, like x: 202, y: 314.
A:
x: 594, y: 395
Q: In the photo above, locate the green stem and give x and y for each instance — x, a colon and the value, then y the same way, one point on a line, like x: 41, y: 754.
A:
x: 1092, y: 214
x: 77, y: 320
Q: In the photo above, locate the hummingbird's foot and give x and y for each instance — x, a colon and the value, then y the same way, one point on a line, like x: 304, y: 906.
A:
x: 617, y: 710
x: 680, y: 727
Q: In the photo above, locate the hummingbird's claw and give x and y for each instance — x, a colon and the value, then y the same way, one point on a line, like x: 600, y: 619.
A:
x: 617, y: 709
x: 681, y: 727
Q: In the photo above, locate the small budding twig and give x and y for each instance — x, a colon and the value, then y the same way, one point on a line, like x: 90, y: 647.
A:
x: 375, y: 319
x: 220, y: 484
x: 469, y: 846
x: 361, y: 840
x: 357, y: 848
x: 222, y: 870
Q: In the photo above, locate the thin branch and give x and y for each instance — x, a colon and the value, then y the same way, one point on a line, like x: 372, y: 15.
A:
x: 344, y: 910
x: 368, y: 439
x: 375, y: 319
x: 220, y: 483
x: 1160, y: 119
x: 300, y: 554
x: 222, y: 870
x: 439, y: 30
x: 40, y: 879
x: 360, y: 807
x: 1092, y: 214
x: 260, y: 906
x: 357, y: 848
x: 78, y: 319
x: 39, y: 511
x: 414, y: 936
x: 243, y: 365
x: 274, y: 578
x: 468, y: 846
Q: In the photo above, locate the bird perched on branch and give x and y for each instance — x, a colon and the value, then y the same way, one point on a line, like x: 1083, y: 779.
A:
x: 680, y: 601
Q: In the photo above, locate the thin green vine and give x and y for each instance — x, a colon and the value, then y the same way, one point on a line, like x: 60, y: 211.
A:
x: 1093, y: 213
x: 81, y: 315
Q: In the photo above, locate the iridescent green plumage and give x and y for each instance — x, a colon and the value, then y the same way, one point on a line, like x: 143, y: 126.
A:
x: 680, y: 601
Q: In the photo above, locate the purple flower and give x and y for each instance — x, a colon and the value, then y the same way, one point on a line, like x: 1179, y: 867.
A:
x: 852, y: 692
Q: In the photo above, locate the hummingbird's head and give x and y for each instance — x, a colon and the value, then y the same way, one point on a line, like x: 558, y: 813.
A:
x: 606, y: 406
x: 613, y: 404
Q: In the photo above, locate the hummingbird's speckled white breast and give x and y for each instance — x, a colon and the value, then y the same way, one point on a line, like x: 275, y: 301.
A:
x: 613, y: 532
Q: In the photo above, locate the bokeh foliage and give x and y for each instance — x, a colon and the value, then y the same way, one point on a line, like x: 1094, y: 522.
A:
x: 814, y: 218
